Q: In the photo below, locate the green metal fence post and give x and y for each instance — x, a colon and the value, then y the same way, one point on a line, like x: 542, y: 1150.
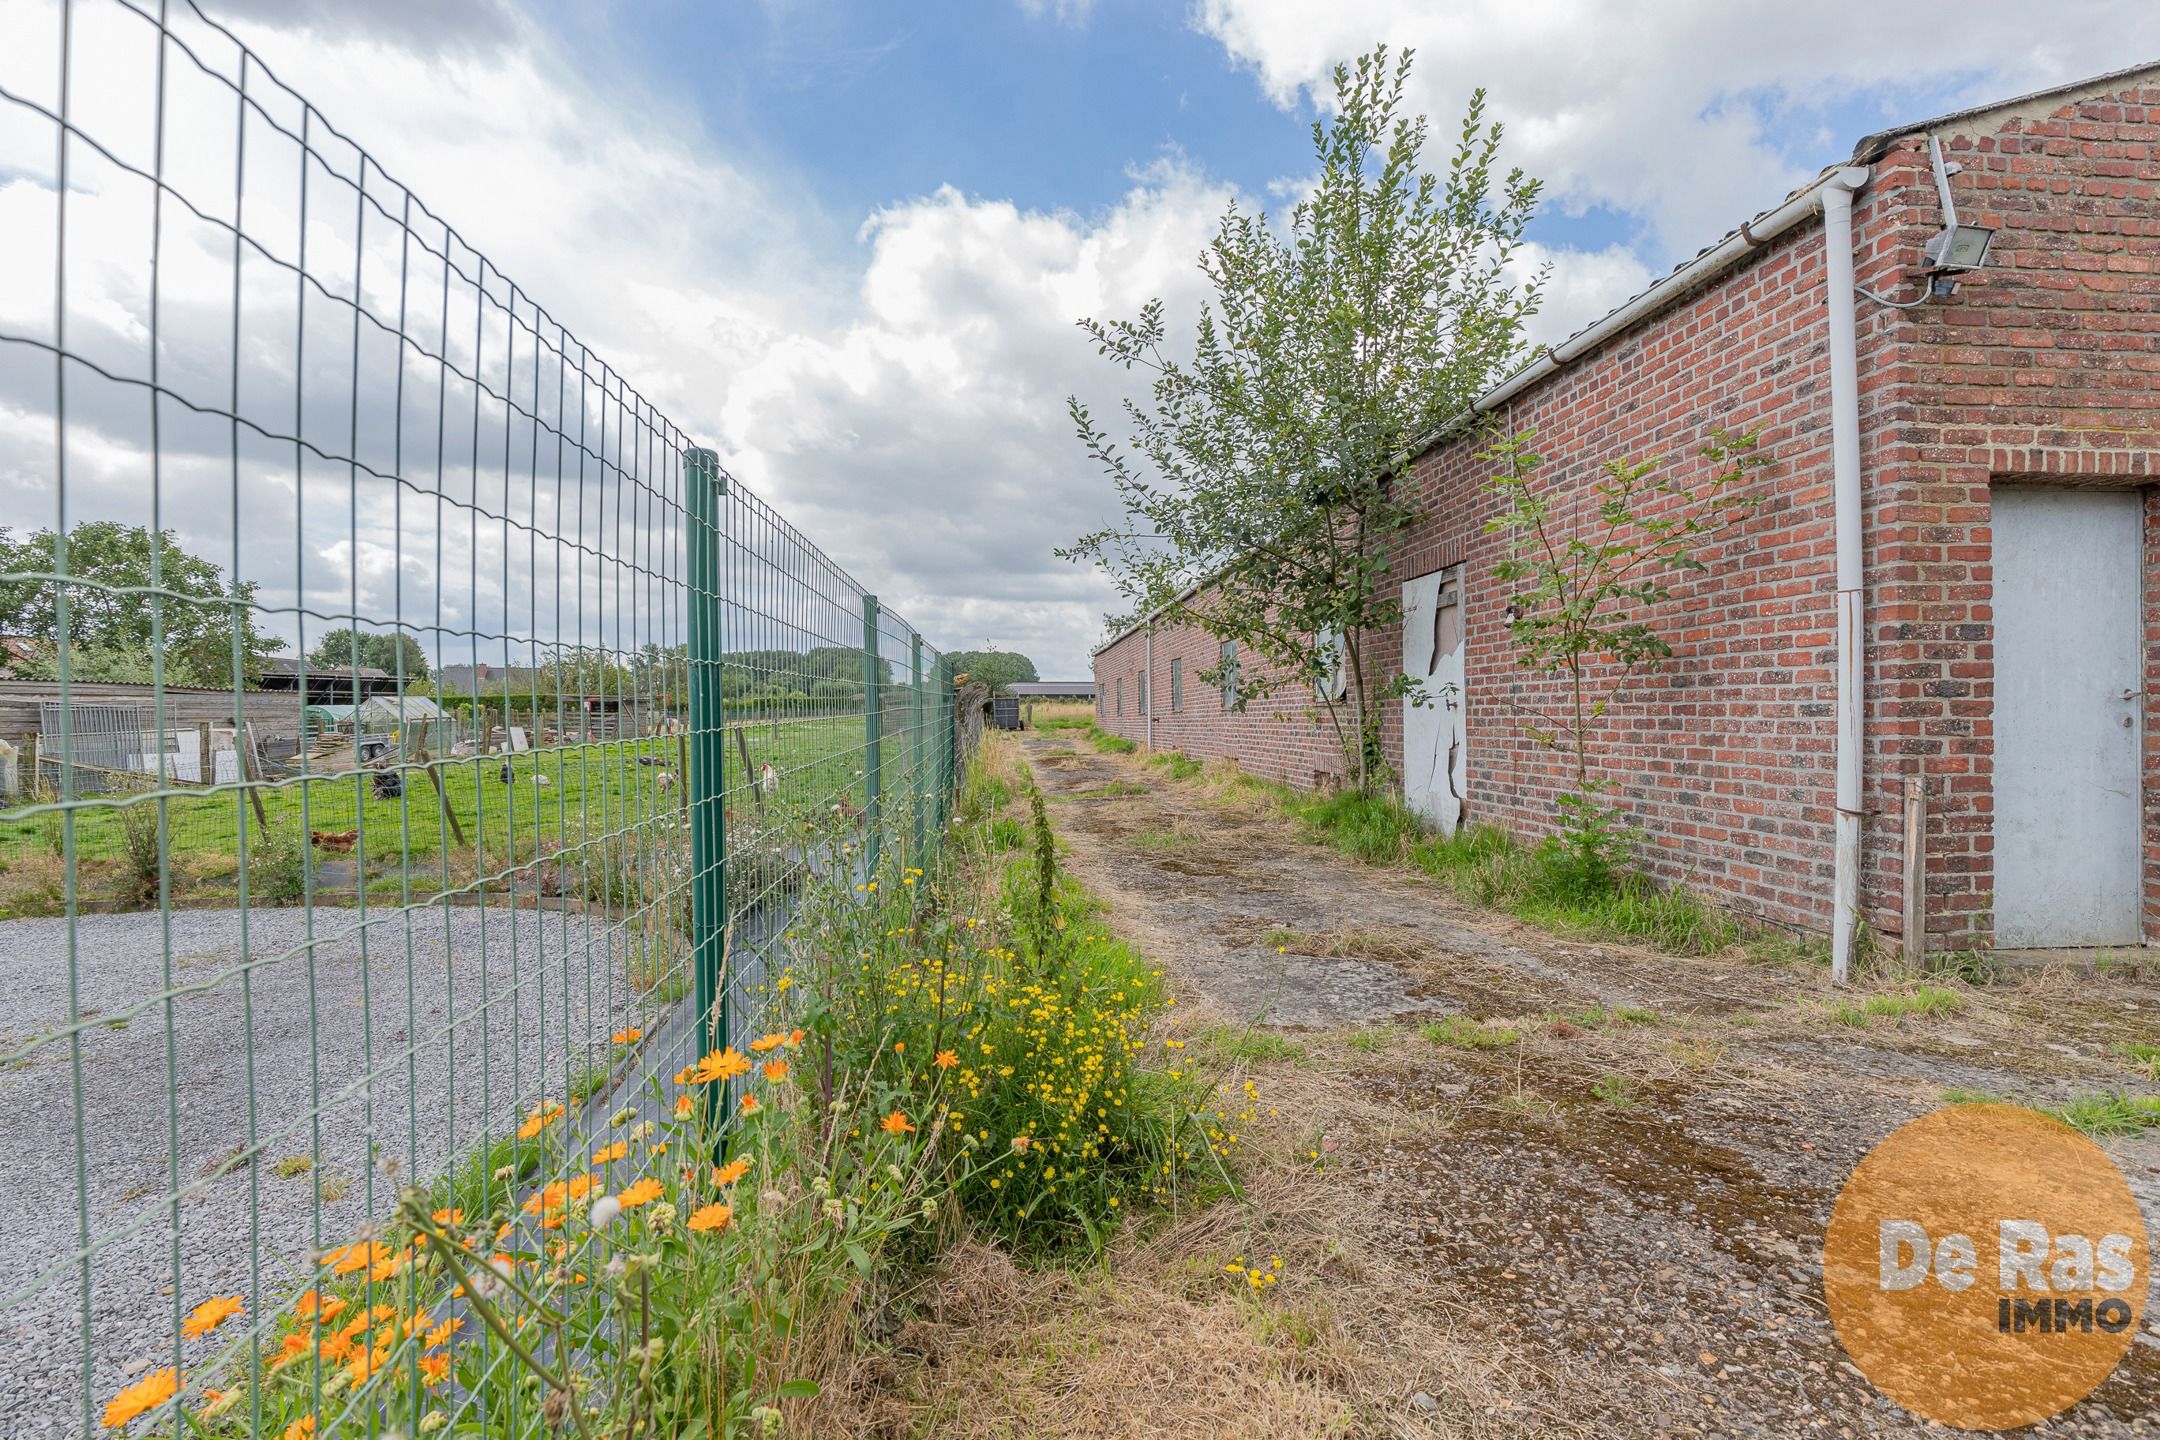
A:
x: 873, y: 704
x: 918, y: 756
x: 948, y: 716
x: 707, y: 780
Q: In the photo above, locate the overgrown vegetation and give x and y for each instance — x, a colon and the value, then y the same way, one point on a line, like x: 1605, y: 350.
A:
x: 1545, y: 884
x: 1583, y: 584
x: 951, y: 1049
x: 1255, y: 482
x: 1919, y: 1002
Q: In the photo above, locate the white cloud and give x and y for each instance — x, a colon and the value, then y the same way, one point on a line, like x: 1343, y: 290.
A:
x: 933, y: 426
x: 1065, y: 12
x: 894, y: 386
x: 897, y: 392
x: 1667, y: 112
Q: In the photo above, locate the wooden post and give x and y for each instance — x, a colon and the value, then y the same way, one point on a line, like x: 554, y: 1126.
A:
x: 246, y: 767
x: 442, y: 796
x: 33, y: 783
x: 757, y: 791
x: 1915, y: 871
x: 205, y: 768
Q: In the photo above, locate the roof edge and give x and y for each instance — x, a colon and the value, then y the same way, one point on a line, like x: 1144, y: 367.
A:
x: 1873, y: 147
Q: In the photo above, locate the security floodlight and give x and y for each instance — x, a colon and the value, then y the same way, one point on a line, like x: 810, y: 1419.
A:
x: 1961, y: 247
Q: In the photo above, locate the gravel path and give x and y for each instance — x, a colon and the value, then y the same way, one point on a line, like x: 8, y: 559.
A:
x: 1618, y: 1215
x: 555, y: 987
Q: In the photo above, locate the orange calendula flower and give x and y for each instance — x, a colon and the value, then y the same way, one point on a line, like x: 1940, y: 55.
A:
x: 142, y: 1397
x: 712, y: 1217
x: 946, y: 1059
x: 682, y: 1104
x: 627, y: 1037
x: 209, y: 1315
x: 750, y: 1105
x: 899, y: 1047
x: 541, y: 1117
x: 365, y: 1362
x: 731, y: 1172
x: 643, y: 1193
x: 300, y: 1429
x: 611, y: 1153
x: 291, y: 1348
x: 434, y: 1369
x: 794, y: 1038
x: 768, y: 1042
x: 440, y: 1335
x: 776, y: 1069
x: 897, y: 1123
x: 448, y: 1217
x: 367, y: 1255
x: 719, y: 1065
x: 313, y: 1307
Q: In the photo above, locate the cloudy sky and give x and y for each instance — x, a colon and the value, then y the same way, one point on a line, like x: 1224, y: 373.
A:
x: 844, y: 242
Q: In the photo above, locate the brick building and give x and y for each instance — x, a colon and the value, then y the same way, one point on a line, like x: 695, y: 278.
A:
x: 1959, y: 502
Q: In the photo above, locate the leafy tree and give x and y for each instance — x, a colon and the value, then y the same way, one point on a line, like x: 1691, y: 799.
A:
x: 1256, y: 489
x: 995, y: 668
x: 589, y: 670
x: 343, y: 648
x: 198, y: 629
x: 1584, y: 579
x: 122, y: 661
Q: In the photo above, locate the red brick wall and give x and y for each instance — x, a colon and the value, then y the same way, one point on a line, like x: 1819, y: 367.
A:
x: 2046, y: 367
x: 2043, y: 365
x: 1283, y: 736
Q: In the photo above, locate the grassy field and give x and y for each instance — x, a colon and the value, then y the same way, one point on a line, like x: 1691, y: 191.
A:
x: 621, y: 800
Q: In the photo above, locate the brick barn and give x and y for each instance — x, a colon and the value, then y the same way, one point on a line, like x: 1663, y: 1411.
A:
x: 1949, y: 578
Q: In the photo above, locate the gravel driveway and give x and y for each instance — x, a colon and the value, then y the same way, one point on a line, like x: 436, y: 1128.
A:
x: 400, y: 1087
x: 1607, y: 1224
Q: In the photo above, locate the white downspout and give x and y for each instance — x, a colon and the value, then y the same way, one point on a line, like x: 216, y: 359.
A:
x: 1147, y: 688
x: 1840, y: 301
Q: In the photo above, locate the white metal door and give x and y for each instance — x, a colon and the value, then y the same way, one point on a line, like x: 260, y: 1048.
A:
x: 2069, y: 701
x: 1435, y: 757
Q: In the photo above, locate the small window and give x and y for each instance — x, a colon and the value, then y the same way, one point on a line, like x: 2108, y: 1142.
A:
x: 1177, y: 686
x: 1229, y: 674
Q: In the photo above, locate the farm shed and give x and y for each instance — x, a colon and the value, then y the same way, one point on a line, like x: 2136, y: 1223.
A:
x: 1932, y: 627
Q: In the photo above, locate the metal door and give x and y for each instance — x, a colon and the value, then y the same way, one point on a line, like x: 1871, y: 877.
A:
x: 1435, y: 755
x: 2069, y: 701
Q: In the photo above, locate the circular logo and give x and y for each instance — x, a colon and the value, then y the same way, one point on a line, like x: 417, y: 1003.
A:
x: 1986, y: 1266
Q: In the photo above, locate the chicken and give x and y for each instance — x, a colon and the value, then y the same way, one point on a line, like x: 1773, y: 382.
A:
x: 337, y: 842
x: 769, y: 780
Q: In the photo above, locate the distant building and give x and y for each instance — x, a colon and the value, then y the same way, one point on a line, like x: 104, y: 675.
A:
x: 1053, y: 690
x: 326, y: 684
x: 485, y: 679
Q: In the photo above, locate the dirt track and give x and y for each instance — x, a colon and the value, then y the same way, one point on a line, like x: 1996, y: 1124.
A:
x: 1629, y: 1207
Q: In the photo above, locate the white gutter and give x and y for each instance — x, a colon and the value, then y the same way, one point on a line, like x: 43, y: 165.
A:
x: 1840, y: 300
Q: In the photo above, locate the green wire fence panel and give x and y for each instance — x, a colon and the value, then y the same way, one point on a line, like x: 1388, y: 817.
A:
x: 410, y: 737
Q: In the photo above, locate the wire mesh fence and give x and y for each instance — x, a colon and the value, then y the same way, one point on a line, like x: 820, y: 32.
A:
x: 414, y: 738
